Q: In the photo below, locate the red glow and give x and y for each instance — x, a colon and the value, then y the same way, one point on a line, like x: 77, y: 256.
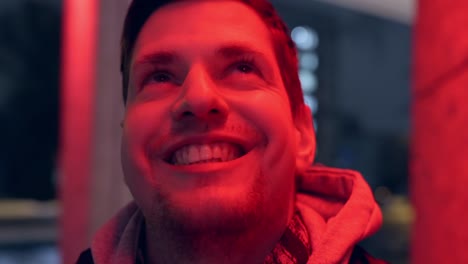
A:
x: 77, y: 92
x: 439, y: 168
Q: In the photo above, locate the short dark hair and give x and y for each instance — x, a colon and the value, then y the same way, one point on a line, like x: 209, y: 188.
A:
x: 285, y: 49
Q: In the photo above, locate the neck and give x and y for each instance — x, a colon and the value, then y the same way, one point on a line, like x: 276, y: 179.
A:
x: 170, y: 244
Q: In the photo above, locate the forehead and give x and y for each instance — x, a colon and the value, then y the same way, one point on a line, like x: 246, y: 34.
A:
x: 202, y: 26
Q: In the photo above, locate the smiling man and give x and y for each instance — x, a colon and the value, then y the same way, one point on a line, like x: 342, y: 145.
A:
x: 218, y: 144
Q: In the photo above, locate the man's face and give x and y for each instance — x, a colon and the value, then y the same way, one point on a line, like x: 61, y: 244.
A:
x: 208, y: 139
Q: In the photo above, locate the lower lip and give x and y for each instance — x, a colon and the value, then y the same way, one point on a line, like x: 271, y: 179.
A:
x: 210, y: 166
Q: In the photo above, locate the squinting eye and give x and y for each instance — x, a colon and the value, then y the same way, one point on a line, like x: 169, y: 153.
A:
x: 160, y: 77
x: 245, y: 68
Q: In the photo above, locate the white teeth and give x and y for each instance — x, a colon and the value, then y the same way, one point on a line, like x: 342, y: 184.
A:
x: 205, y: 152
x: 193, y: 153
x: 198, y: 153
x: 179, y: 155
x: 224, y: 152
x: 216, y: 148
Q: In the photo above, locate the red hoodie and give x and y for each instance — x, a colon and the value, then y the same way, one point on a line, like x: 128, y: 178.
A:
x: 337, y: 208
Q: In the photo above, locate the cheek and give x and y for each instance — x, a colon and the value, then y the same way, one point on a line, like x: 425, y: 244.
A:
x: 135, y: 163
x: 140, y: 126
x: 267, y: 106
x: 133, y: 139
x: 142, y: 123
x: 270, y: 113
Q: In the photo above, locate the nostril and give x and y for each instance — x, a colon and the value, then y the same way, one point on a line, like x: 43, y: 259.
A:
x: 187, y: 113
x: 214, y: 111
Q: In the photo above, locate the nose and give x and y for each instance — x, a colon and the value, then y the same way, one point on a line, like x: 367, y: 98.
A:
x: 201, y: 99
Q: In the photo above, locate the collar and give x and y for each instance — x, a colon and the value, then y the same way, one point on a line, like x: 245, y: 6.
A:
x: 294, y: 246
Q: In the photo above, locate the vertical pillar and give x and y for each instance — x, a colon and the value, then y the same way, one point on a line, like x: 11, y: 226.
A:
x: 76, y: 118
x: 91, y: 185
x: 439, y: 165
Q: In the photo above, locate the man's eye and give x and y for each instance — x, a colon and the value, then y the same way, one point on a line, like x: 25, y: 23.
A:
x: 160, y: 77
x: 245, y: 68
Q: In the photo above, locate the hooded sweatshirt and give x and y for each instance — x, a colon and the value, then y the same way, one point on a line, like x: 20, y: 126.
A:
x: 337, y: 208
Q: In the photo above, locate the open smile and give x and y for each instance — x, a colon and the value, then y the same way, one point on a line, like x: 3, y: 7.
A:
x: 206, y: 153
x: 208, y: 148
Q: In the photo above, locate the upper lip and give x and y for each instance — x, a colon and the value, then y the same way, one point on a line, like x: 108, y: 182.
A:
x: 169, y: 149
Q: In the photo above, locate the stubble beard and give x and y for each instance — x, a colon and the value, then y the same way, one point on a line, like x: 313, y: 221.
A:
x: 216, y: 221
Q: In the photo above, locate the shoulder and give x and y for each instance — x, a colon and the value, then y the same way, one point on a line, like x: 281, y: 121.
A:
x: 85, y: 257
x: 360, y: 256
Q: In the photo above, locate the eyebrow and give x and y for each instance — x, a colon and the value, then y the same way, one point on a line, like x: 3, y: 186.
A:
x: 227, y: 51
x: 161, y: 57
x: 236, y: 50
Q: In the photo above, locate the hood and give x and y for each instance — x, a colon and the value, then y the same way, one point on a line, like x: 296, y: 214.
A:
x: 339, y: 211
x: 337, y: 207
x: 117, y: 241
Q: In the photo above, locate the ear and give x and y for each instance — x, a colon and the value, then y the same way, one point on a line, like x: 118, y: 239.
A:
x: 305, y: 139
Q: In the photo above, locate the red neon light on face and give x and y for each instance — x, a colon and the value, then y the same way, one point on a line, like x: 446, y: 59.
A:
x: 207, y: 81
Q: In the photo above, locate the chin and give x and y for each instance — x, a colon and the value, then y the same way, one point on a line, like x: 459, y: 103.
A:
x: 211, y: 209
